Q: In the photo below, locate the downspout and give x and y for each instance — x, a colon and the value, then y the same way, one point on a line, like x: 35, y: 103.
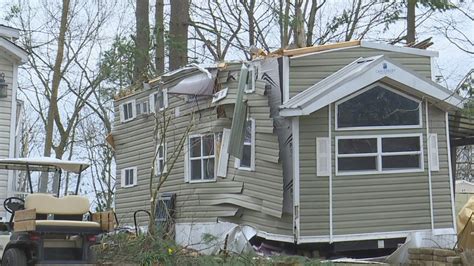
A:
x: 295, y: 128
x: 429, y: 165
x: 330, y: 174
x: 450, y: 166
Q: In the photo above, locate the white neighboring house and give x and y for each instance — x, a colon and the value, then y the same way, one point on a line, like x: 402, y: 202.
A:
x: 464, y: 186
x: 11, y: 56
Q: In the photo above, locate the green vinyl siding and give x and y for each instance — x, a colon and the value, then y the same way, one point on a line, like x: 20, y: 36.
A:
x: 308, y: 70
x: 246, y: 197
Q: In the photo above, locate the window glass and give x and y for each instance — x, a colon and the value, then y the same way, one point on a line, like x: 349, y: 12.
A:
x: 208, y: 168
x: 400, y: 144
x: 351, y: 146
x: 202, y: 164
x: 246, y: 160
x: 396, y: 153
x: 196, y: 169
x: 208, y: 145
x: 160, y: 159
x: 400, y: 162
x: 195, y: 148
x: 129, y: 177
x: 246, y: 157
x: 159, y: 100
x: 357, y: 163
x: 378, y: 107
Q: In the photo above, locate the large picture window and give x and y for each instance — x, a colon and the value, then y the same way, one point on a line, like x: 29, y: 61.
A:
x: 378, y: 106
x: 379, y: 154
x: 202, y: 158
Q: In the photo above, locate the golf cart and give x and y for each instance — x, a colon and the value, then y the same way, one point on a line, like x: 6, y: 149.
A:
x: 49, y: 229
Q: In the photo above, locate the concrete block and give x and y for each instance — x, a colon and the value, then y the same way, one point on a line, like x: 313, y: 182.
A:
x: 444, y: 252
x: 454, y: 259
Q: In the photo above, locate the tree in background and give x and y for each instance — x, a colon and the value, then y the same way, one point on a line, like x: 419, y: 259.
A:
x: 178, y: 36
x: 142, y: 41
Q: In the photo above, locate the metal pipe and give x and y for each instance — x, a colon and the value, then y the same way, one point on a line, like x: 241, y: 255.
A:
x: 28, y: 175
x: 78, y: 179
x: 135, y: 219
x: 59, y: 181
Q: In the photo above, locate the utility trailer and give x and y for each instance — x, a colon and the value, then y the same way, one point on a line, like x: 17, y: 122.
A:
x: 50, y: 229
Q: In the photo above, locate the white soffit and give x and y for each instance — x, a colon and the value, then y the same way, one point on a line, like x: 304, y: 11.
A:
x: 359, y: 74
x: 14, y: 49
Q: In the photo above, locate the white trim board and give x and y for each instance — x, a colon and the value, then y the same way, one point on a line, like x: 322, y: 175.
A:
x: 428, y: 148
x: 379, y: 46
x: 14, y: 49
x: 372, y: 236
x: 358, y: 75
x: 453, y: 212
x: 295, y: 128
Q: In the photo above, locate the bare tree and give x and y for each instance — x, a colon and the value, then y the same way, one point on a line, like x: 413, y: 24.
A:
x: 142, y: 41
x: 159, y: 38
x: 178, y: 36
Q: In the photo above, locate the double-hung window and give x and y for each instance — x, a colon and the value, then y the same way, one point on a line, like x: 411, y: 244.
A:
x: 202, y: 158
x: 159, y: 100
x: 379, y: 154
x: 160, y: 166
x: 248, y: 155
x: 127, y: 111
x: 129, y: 177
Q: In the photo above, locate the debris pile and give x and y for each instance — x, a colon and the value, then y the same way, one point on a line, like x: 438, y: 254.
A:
x: 433, y: 256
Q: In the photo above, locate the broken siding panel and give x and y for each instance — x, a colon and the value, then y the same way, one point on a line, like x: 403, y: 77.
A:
x: 314, y: 190
x: 266, y: 223
x: 308, y: 70
x: 260, y: 190
x: 440, y: 179
x: 356, y: 192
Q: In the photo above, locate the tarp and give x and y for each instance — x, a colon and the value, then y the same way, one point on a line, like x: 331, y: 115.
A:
x: 465, y: 226
x: 197, y: 84
x: 42, y: 164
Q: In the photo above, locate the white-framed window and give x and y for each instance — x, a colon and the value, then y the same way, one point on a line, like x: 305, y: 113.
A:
x: 378, y: 107
x: 251, y: 75
x: 160, y: 166
x: 357, y: 155
x: 201, y: 158
x: 127, y: 111
x: 142, y: 108
x: 129, y: 177
x: 159, y: 100
x: 248, y: 155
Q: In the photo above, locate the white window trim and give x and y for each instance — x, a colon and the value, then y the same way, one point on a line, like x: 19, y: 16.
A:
x: 378, y: 84
x: 189, y: 158
x: 152, y: 107
x: 251, y: 74
x: 135, y: 177
x: 134, y: 111
x: 379, y: 154
x: 157, y: 165
x: 252, y: 151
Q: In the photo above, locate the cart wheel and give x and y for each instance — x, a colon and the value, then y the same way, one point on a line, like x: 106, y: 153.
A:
x: 14, y: 257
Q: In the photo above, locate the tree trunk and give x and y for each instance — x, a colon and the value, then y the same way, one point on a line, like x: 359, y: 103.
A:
x: 53, y: 103
x: 142, y: 41
x: 311, y: 22
x: 411, y: 6
x: 159, y: 38
x: 299, y: 33
x: 178, y: 36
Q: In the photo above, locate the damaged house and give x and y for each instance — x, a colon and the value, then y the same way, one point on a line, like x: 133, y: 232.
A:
x: 326, y: 144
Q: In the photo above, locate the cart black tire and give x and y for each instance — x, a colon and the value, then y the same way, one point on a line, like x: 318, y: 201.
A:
x: 14, y: 257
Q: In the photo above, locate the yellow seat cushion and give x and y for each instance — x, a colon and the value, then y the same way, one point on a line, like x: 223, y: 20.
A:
x: 48, y: 204
x: 65, y: 223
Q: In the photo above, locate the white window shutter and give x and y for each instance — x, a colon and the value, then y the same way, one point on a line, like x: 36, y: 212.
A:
x: 323, y: 157
x: 134, y: 109
x: 186, y: 161
x: 165, y: 98
x: 434, y: 156
x: 152, y: 103
x: 135, y: 176
x: 224, y: 155
x: 165, y: 150
x: 122, y: 116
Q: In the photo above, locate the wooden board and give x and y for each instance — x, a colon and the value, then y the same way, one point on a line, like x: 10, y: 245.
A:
x: 105, y: 219
x: 25, y: 215
x: 24, y: 226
